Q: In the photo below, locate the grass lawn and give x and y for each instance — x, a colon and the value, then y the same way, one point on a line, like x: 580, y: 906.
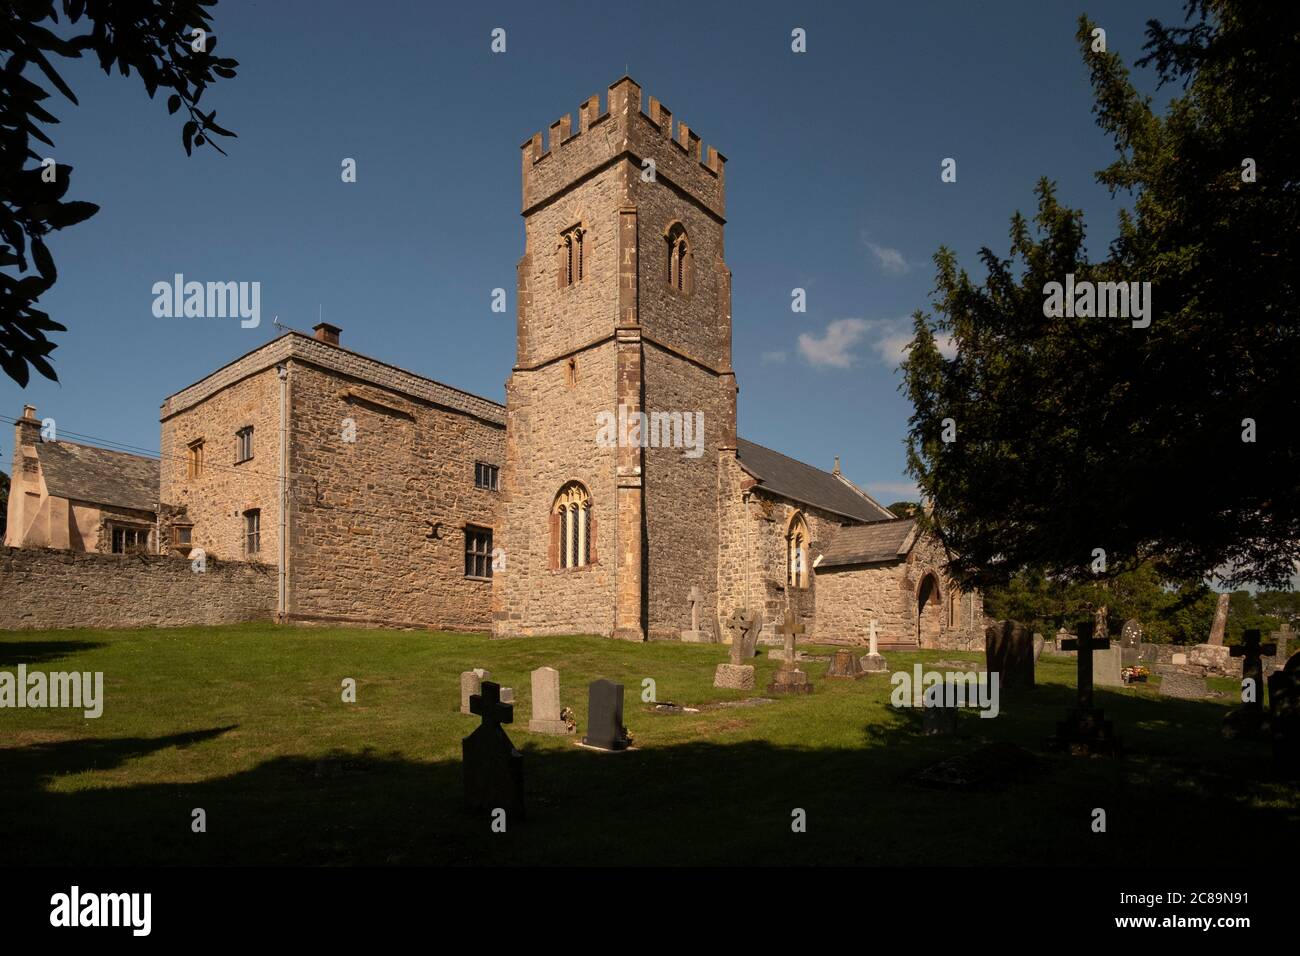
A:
x: 247, y: 723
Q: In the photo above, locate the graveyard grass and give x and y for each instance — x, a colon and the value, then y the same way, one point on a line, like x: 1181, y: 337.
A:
x: 248, y: 724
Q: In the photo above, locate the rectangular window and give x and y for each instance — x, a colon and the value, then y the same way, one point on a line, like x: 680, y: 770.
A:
x: 252, y: 532
x: 196, y: 458
x: 487, y: 476
x: 130, y: 540
x: 245, y: 437
x: 182, y: 535
x: 478, y: 552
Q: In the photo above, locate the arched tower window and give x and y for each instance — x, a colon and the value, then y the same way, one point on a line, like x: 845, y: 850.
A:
x: 572, y: 528
x: 679, y: 258
x: 796, y: 552
x: 571, y: 263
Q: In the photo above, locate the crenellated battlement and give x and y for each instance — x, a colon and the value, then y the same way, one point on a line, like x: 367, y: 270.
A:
x: 565, y: 155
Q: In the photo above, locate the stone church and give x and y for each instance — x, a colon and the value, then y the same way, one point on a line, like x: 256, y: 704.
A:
x: 610, y: 495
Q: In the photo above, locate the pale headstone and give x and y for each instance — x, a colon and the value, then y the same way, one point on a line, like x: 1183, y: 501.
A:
x: 470, y: 683
x: 1220, y: 625
x: 1039, y: 644
x: 1178, y: 659
x: 546, y: 703
x: 1106, y: 666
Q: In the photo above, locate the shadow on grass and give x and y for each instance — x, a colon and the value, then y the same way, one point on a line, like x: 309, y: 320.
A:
x: 695, y: 803
x: 13, y: 653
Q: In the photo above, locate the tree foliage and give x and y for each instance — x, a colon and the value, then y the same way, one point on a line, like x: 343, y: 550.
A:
x: 154, y: 38
x: 1076, y: 434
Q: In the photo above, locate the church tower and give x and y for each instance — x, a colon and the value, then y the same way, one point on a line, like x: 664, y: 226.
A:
x: 622, y: 399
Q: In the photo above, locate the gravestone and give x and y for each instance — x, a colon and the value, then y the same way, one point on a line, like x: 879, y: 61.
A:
x: 546, y: 717
x: 1285, y: 641
x: 493, y: 769
x: 1284, y: 714
x: 1220, y: 624
x: 695, y: 635
x: 605, y: 730
x: 1178, y: 659
x: 1009, y: 652
x: 738, y: 674
x: 1130, y: 642
x: 1085, y: 730
x: 845, y: 666
x: 1249, y: 719
x: 789, y: 679
x: 470, y: 682
x: 1183, y: 684
x: 873, y: 663
x: 1039, y: 644
x: 1107, y: 662
x: 1058, y: 645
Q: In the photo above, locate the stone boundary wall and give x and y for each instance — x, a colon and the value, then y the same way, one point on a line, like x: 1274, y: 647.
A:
x: 41, y: 589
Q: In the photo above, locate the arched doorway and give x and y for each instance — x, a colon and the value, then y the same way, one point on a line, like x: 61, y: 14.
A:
x: 929, y: 611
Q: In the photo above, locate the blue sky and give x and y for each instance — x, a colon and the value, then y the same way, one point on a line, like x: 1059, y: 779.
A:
x: 832, y: 179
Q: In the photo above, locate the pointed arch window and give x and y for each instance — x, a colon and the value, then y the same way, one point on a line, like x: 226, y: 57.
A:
x: 572, y: 528
x: 680, y: 260
x: 571, y: 266
x: 796, y: 552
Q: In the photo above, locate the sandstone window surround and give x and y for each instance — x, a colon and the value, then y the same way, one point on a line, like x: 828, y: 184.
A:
x: 195, y: 458
x: 245, y: 439
x: 681, y: 263
x: 183, y: 538
x: 486, y: 476
x: 796, y: 552
x: 478, y: 552
x: 252, y: 531
x: 573, y: 529
x: 571, y: 266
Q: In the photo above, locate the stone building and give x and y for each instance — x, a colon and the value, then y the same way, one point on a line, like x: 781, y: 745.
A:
x: 609, y: 487
x: 78, y: 497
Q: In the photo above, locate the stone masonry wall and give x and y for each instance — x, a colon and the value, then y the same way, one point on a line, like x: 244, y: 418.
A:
x: 377, y: 525
x: 217, y: 499
x: 46, y: 589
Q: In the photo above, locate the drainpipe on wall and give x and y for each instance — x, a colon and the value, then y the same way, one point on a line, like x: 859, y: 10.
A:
x: 282, y: 603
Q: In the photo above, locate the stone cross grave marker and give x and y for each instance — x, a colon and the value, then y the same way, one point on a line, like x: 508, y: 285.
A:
x: 493, y: 769
x: 695, y: 636
x: 873, y: 662
x: 789, y: 679
x: 605, y: 730
x: 546, y: 703
x: 1220, y: 624
x: 1252, y: 653
x: 1085, y: 729
x: 744, y: 630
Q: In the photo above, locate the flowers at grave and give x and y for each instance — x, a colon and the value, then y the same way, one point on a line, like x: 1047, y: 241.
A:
x: 1136, y: 674
x: 570, y: 719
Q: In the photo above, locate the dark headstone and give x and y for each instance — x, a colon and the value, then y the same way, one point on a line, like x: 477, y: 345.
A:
x: 938, y: 720
x: 1130, y: 642
x: 1009, y: 652
x: 605, y: 728
x: 493, y: 769
x: 1085, y: 730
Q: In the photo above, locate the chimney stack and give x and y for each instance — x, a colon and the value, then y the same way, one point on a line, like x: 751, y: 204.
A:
x: 836, y: 469
x: 329, y: 334
x: 28, y: 429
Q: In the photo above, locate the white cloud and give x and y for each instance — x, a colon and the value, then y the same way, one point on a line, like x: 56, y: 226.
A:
x: 890, y: 260
x: 895, y: 338
x: 772, y: 358
x: 833, y: 348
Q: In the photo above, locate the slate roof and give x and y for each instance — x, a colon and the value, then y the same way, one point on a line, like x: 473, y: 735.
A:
x: 869, y: 543
x: 785, y: 476
x: 99, y: 475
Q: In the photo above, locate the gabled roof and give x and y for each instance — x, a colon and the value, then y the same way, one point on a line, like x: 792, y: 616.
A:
x: 785, y: 476
x: 99, y: 475
x: 870, y: 543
